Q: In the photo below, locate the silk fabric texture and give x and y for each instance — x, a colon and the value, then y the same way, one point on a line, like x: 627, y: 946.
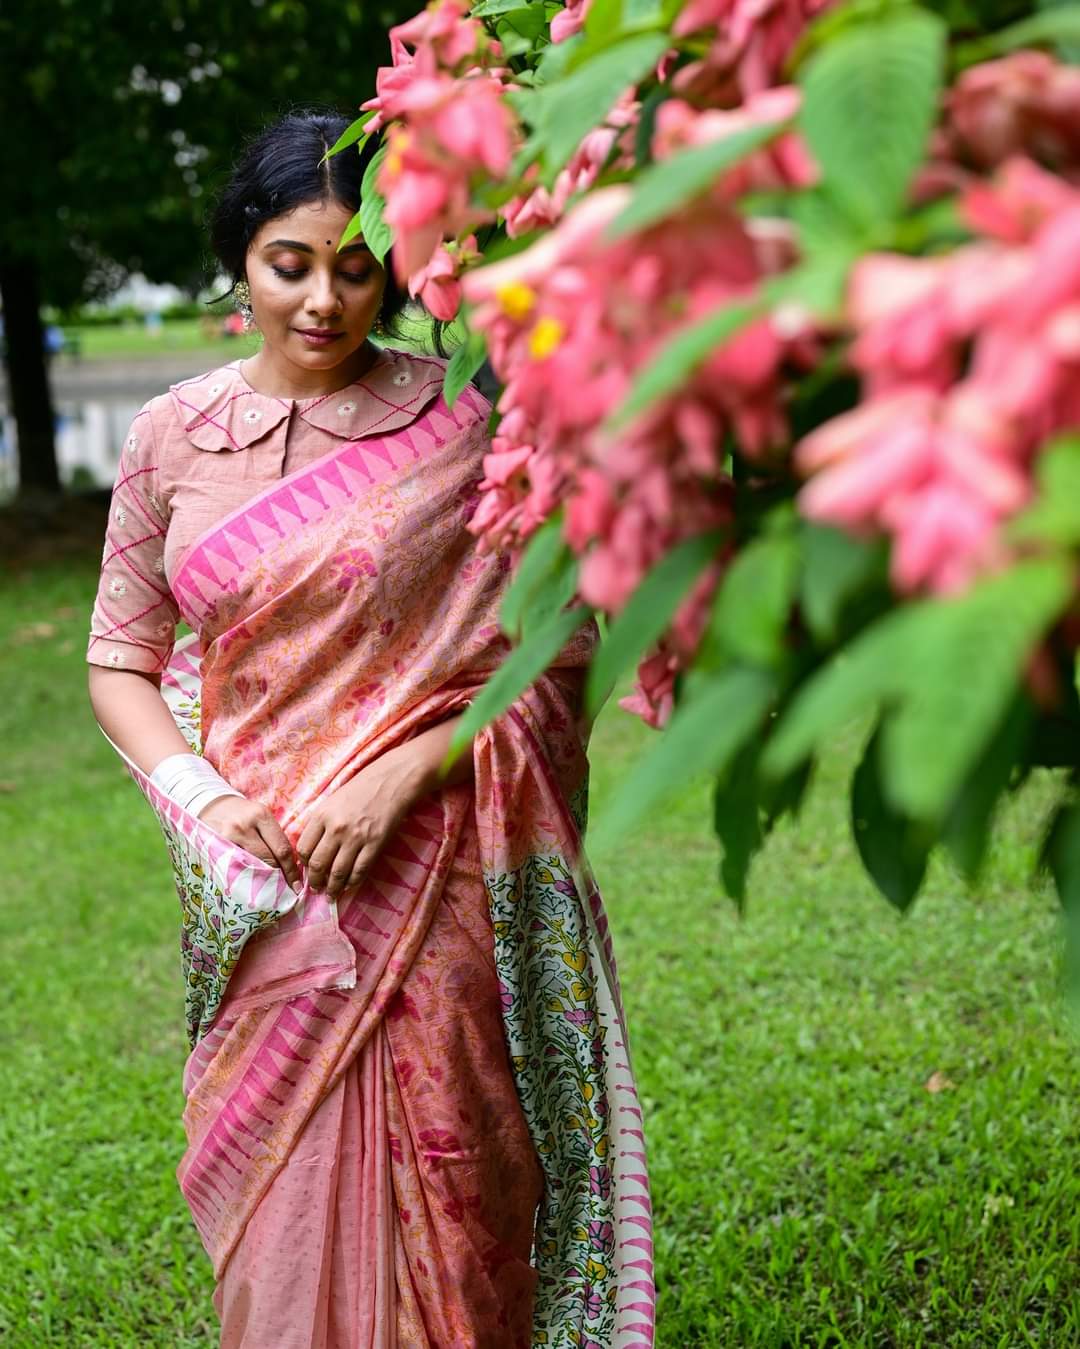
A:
x: 410, y: 1113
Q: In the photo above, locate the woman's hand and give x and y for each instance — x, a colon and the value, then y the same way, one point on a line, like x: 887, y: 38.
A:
x: 347, y: 831
x: 252, y: 827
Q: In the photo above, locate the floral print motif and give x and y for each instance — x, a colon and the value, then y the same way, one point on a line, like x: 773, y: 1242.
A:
x: 559, y: 1043
x: 213, y: 931
x: 346, y: 568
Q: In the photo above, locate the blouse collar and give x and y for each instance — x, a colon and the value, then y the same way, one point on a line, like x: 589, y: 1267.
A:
x: 221, y: 411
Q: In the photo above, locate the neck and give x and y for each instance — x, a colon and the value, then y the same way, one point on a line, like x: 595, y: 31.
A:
x: 275, y: 375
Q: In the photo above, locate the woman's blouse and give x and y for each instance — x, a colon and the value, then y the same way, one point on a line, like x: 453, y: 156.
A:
x: 198, y: 452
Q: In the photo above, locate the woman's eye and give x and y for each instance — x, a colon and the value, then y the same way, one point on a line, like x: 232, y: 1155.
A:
x: 293, y: 273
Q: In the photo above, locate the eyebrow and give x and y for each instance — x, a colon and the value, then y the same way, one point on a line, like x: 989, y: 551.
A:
x: 306, y: 248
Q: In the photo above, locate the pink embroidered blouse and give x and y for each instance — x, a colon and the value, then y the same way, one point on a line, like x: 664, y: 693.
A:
x: 196, y: 453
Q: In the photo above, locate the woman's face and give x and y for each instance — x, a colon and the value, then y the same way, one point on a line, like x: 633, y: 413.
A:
x: 299, y: 282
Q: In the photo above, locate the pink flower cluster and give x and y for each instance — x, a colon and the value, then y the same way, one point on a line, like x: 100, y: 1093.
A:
x: 609, y: 145
x: 448, y: 126
x: 569, y: 323
x: 752, y: 40
x: 970, y: 361
x: 1027, y: 103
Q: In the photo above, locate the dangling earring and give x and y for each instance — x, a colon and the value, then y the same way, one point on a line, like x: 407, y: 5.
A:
x: 379, y: 327
x: 242, y: 296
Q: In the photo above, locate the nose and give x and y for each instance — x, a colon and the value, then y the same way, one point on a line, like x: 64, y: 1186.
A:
x: 323, y: 300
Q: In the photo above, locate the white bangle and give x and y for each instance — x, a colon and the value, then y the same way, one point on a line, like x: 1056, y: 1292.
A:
x: 191, y: 782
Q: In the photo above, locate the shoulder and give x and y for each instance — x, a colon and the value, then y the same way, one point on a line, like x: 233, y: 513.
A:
x: 413, y: 384
x: 162, y: 422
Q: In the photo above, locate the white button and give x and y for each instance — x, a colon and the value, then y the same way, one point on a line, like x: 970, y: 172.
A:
x: 345, y: 408
x: 116, y: 657
x: 117, y: 586
x: 402, y: 378
x: 253, y: 415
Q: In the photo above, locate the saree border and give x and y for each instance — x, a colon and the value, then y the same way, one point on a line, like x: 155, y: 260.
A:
x: 341, y: 477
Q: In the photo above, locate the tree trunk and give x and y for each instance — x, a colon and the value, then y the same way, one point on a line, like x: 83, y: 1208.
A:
x: 29, y: 396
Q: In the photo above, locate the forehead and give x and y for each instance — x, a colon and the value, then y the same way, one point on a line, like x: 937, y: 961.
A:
x: 312, y: 223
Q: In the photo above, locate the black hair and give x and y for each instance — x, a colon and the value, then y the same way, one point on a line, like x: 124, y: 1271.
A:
x: 280, y: 169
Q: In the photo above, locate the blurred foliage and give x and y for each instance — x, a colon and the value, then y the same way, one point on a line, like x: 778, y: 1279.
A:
x: 121, y: 120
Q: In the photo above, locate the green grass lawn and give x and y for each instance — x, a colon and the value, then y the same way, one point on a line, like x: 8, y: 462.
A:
x: 809, y: 1189
x: 133, y: 339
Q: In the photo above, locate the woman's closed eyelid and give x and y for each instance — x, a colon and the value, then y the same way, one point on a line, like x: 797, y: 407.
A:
x: 291, y: 273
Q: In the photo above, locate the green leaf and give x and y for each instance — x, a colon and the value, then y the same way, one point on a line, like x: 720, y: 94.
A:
x: 853, y: 682
x: 647, y: 614
x: 664, y: 187
x: 490, y: 8
x: 545, y: 581
x: 679, y: 358
x: 569, y: 108
x: 894, y: 849
x: 1058, y: 24
x: 948, y: 670
x: 836, y: 568
x: 784, y: 797
x: 555, y: 61
x: 703, y: 736
x: 754, y: 602
x: 604, y: 21
x: 1061, y: 854
x: 377, y: 233
x: 542, y: 558
x: 968, y: 660
x: 817, y: 284
x: 352, y: 133
x: 1054, y: 517
x: 464, y: 363
x: 522, y: 667
x: 737, y: 820
x: 967, y: 826
x: 870, y: 97
x: 821, y: 223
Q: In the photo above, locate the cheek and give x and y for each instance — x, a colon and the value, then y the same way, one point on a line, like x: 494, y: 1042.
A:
x: 366, y: 299
x: 272, y: 298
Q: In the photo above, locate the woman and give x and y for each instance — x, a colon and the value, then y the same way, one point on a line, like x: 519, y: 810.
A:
x: 409, y: 1110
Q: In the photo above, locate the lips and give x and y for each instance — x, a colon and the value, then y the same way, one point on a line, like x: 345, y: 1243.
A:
x: 320, y: 337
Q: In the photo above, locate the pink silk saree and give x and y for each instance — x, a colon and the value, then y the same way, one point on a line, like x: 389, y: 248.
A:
x: 360, y: 1174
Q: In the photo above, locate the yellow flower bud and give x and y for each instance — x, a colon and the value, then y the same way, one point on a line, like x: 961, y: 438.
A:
x: 516, y: 300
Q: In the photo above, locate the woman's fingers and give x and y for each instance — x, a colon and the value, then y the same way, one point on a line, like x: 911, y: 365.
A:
x: 362, y: 865
x: 332, y: 862
x: 309, y: 840
x: 281, y: 853
x: 341, y: 867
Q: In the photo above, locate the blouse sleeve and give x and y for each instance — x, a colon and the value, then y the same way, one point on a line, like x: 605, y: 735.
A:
x: 133, y: 625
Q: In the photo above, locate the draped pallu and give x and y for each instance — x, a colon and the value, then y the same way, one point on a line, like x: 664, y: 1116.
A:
x: 410, y: 1112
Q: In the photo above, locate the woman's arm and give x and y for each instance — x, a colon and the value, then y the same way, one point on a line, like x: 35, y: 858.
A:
x: 133, y: 714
